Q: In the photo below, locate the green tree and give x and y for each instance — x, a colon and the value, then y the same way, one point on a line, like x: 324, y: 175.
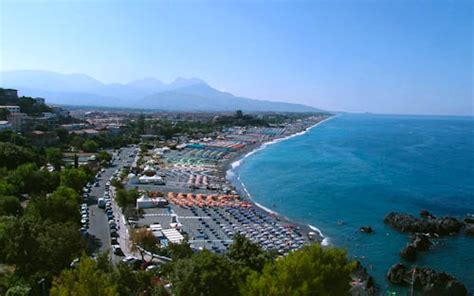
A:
x: 6, y: 188
x: 77, y: 142
x: 19, y: 290
x: 85, y: 280
x: 59, y: 244
x: 62, y: 134
x: 90, y: 146
x: 131, y: 282
x: 248, y: 254
x: 9, y: 205
x: 11, y: 156
x: 60, y: 206
x: 35, y: 246
x: 180, y: 251
x: 122, y: 198
x: 205, y: 274
x: 25, y: 178
x: 116, y: 183
x: 125, y: 198
x: 133, y: 195
x: 103, y: 156
x: 55, y: 157
x: 74, y: 178
x: 309, y: 271
x: 19, y: 244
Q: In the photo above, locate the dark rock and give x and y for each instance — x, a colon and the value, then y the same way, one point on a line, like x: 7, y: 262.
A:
x: 421, y: 242
x: 469, y: 220
x: 366, y: 229
x: 397, y: 273
x: 370, y: 287
x: 426, y: 214
x: 408, y: 253
x: 469, y: 230
x: 409, y: 223
x: 447, y: 225
x: 429, y: 281
x: 367, y: 285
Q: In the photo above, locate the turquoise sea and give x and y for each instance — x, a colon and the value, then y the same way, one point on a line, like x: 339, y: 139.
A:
x: 351, y: 170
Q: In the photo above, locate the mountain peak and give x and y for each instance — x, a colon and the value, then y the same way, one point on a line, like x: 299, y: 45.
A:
x: 180, y: 82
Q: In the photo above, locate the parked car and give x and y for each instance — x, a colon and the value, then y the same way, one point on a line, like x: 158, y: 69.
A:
x: 128, y: 259
x: 101, y: 203
x: 117, y: 250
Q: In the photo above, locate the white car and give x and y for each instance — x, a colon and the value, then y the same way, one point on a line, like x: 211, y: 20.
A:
x: 151, y: 267
x: 128, y: 259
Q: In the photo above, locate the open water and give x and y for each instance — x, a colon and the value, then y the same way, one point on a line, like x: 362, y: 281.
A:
x: 353, y: 169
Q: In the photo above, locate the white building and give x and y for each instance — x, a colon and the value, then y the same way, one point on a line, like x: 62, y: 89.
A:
x: 11, y: 109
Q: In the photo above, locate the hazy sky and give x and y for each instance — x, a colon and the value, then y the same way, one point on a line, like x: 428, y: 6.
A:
x: 379, y: 56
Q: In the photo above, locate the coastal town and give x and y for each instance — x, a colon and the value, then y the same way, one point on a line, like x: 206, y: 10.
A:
x: 236, y: 148
x: 151, y: 182
x: 148, y: 187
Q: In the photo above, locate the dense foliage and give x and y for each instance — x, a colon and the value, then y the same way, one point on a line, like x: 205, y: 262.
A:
x: 126, y: 198
x: 309, y: 271
x: 39, y: 216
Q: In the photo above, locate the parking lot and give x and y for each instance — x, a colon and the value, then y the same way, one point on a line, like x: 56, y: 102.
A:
x: 213, y: 228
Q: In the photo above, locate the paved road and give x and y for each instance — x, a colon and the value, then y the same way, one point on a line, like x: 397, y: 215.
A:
x: 99, y: 226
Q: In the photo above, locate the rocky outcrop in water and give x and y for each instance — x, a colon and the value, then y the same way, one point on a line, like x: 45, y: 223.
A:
x: 469, y: 230
x: 412, y: 224
x: 366, y: 229
x: 469, y: 220
x: 419, y: 243
x: 427, y: 215
x: 365, y: 282
x: 408, y: 253
x: 426, y: 280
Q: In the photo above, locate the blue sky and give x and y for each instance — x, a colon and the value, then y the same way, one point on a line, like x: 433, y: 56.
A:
x: 378, y: 56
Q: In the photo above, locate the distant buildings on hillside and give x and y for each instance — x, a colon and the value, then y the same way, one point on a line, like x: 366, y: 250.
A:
x: 11, y: 109
x: 14, y: 118
x: 10, y: 93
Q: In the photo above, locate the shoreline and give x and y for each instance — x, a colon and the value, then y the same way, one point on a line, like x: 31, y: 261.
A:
x: 227, y: 169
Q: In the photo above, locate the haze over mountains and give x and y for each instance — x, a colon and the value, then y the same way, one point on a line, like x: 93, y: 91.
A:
x: 147, y: 93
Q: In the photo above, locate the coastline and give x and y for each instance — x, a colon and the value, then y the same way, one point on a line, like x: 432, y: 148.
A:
x: 228, y: 171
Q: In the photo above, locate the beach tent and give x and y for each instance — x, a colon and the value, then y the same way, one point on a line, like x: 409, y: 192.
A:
x: 145, y: 202
x: 151, y: 179
x: 173, y: 235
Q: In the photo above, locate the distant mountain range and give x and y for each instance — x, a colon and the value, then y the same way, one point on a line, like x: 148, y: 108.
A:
x: 148, y: 93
